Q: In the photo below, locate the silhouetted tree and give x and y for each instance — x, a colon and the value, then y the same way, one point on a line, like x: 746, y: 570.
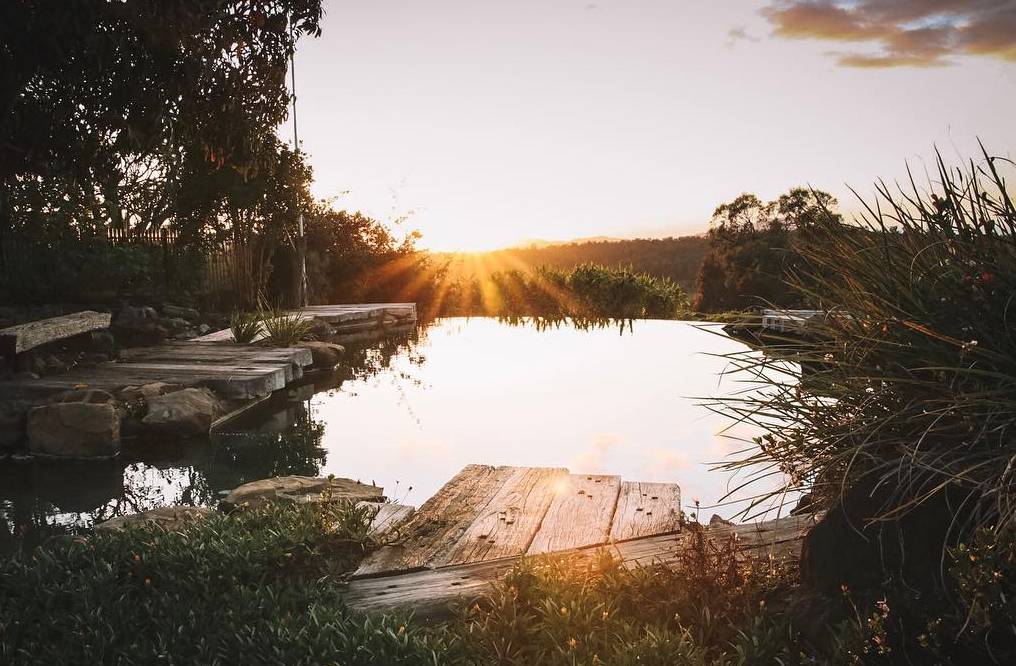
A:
x: 752, y: 249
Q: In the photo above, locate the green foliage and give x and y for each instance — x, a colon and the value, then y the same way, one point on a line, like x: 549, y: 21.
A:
x: 556, y: 610
x: 907, y: 387
x: 910, y: 377
x: 103, y: 106
x: 256, y: 586
x: 753, y: 247
x: 284, y: 329
x: 985, y: 573
x: 346, y: 253
x: 677, y: 259
x: 133, y: 114
x: 245, y: 326
x: 585, y: 292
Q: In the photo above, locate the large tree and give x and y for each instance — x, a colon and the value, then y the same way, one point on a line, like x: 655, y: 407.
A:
x: 107, y: 107
x: 752, y: 249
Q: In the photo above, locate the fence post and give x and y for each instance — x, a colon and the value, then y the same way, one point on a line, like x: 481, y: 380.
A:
x: 165, y: 256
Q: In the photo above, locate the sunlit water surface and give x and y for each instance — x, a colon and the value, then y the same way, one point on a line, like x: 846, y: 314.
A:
x: 409, y: 411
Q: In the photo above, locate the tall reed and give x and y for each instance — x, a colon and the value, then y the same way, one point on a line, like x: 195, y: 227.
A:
x: 909, y: 381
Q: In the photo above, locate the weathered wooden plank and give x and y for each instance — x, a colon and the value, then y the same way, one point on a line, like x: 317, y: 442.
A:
x: 579, y: 515
x: 389, y: 517
x: 645, y: 509
x: 251, y: 381
x: 21, y: 338
x: 224, y: 335
x: 198, y: 350
x: 348, y: 318
x: 430, y: 593
x: 439, y: 523
x: 202, y: 360
x: 113, y: 376
x: 507, y: 524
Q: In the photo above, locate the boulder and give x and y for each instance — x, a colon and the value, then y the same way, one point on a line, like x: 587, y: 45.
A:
x: 718, y: 521
x: 147, y: 391
x: 176, y: 325
x: 319, y: 329
x: 177, y: 312
x: 13, y: 419
x: 169, y: 518
x: 36, y: 365
x: 301, y: 490
x: 101, y: 341
x: 186, y: 412
x: 138, y: 325
x: 91, y: 359
x: 74, y: 430
x: 131, y: 316
x: 326, y: 355
x: 90, y: 396
x: 204, y: 329
x: 848, y: 547
x: 54, y: 365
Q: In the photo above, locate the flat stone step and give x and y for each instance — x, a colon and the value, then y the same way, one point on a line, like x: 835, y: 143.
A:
x: 23, y: 337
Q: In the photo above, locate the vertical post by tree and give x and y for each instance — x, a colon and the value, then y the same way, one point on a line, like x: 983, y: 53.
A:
x: 300, y: 288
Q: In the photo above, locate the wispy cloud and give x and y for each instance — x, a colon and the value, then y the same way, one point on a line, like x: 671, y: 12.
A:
x: 738, y: 34
x: 899, y: 33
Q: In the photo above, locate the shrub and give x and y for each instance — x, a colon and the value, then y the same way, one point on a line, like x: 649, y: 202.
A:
x: 907, y: 386
x: 557, y: 610
x: 245, y: 326
x: 256, y: 586
x: 911, y: 377
x: 284, y: 329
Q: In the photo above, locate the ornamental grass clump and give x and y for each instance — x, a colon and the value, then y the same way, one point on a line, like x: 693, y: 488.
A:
x: 906, y: 386
x: 284, y: 329
x: 245, y: 327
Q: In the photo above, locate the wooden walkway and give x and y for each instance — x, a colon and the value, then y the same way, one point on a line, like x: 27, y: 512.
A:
x: 234, y: 371
x: 345, y: 319
x: 431, y: 593
x: 488, y: 513
x: 483, y: 521
x: 486, y: 518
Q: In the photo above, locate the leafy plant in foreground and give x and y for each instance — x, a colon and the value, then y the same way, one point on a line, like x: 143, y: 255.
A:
x: 245, y: 326
x: 284, y: 329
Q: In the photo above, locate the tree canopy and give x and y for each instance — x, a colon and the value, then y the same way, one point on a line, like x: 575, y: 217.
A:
x: 110, y: 111
x: 752, y: 249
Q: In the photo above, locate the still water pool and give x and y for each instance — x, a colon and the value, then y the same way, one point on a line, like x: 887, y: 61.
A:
x: 410, y: 410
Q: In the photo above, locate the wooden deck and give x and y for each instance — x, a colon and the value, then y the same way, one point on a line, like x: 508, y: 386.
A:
x: 233, y: 371
x: 346, y: 319
x: 483, y: 521
x: 489, y: 513
x: 431, y: 593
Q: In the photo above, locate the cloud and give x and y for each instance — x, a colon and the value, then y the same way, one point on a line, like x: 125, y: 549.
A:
x: 901, y: 33
x: 738, y: 34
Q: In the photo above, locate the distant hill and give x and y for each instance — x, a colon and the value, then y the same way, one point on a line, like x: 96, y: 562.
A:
x: 540, y: 243
x: 674, y: 258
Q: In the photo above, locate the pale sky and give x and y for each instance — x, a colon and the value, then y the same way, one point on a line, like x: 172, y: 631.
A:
x: 496, y: 122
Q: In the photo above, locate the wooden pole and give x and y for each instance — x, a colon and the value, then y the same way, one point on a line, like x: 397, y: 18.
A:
x: 301, y: 244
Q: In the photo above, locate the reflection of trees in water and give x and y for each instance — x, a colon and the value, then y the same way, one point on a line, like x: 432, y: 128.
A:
x: 577, y: 323
x: 288, y: 442
x: 41, y: 499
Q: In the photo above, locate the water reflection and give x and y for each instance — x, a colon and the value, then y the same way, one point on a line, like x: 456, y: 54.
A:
x: 409, y: 410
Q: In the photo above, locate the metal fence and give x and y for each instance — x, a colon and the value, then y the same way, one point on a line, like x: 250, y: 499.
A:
x: 74, y: 266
